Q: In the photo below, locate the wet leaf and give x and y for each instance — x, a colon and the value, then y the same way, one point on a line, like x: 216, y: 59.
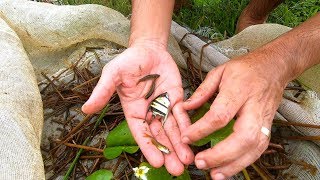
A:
x: 113, y: 152
x: 120, y: 136
x: 221, y: 134
x: 184, y: 176
x: 157, y: 173
x: 216, y: 136
x: 120, y: 140
x: 101, y: 174
x: 200, y: 112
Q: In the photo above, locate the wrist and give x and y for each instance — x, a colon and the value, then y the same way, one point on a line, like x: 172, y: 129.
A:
x: 150, y: 23
x: 283, y: 56
x: 148, y: 42
x: 297, y: 50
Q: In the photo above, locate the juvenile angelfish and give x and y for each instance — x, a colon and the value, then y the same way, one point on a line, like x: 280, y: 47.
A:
x: 160, y: 107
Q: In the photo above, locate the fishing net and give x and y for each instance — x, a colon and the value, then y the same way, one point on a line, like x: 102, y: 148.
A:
x: 41, y: 41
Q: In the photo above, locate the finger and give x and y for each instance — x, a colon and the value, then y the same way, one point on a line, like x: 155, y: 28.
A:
x: 246, y: 136
x: 207, y: 88
x: 183, y: 151
x: 103, y: 91
x: 173, y: 130
x: 172, y: 162
x: 139, y: 129
x: 181, y: 117
x: 222, y: 110
x: 233, y: 167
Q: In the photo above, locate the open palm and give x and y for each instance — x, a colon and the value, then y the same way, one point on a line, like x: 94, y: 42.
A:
x: 122, y: 74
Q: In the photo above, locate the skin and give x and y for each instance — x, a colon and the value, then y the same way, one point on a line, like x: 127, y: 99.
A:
x: 256, y: 13
x: 147, y: 54
x: 259, y: 77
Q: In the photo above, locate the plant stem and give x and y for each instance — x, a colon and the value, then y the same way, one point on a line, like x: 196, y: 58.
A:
x: 245, y: 174
x: 66, y: 177
x: 100, y: 117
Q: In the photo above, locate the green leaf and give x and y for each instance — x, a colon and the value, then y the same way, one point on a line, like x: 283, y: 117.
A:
x: 120, y: 136
x: 157, y: 173
x: 131, y: 149
x: 184, y: 176
x: 200, y: 112
x: 120, y: 140
x: 221, y: 134
x: 101, y: 174
x: 113, y: 152
x: 216, y: 136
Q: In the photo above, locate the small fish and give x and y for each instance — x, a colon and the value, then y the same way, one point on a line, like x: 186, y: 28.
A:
x: 147, y: 77
x: 160, y: 107
x: 152, y: 77
x: 151, y: 90
x: 161, y: 147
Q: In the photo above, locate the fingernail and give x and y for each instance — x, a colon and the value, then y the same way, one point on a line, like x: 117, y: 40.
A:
x: 188, y: 100
x: 219, y: 176
x: 185, y: 140
x: 201, y: 164
x: 83, y: 107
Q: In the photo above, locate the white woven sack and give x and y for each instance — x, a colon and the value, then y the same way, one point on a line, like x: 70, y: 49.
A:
x: 48, y: 35
x: 20, y: 111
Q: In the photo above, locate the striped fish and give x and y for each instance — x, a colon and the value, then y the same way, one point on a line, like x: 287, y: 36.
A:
x: 160, y: 107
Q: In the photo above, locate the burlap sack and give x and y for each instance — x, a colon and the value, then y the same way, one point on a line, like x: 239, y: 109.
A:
x: 51, y: 37
x: 51, y: 33
x: 21, y: 115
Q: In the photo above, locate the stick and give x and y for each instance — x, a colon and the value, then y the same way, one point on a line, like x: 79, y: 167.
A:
x: 92, y: 157
x: 277, y: 146
x: 84, y: 147
x: 66, y: 177
x: 285, y: 123
x: 262, y: 174
x: 53, y: 85
x: 87, y: 118
x: 310, y: 138
x: 211, y: 56
x: 87, y: 82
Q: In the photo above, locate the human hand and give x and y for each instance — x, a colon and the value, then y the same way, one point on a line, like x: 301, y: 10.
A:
x: 122, y: 74
x: 250, y: 88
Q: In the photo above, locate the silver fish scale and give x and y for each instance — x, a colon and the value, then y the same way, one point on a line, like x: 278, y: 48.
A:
x: 160, y: 107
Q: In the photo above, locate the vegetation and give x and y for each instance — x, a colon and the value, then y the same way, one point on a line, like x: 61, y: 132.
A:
x: 221, y: 15
x: 215, y: 18
x: 293, y: 12
x: 210, y: 18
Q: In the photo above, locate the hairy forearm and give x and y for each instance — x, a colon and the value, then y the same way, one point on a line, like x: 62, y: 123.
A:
x: 260, y: 9
x: 298, y: 49
x: 150, y: 22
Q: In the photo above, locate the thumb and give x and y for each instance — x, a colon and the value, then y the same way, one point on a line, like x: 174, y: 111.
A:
x: 105, y: 88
